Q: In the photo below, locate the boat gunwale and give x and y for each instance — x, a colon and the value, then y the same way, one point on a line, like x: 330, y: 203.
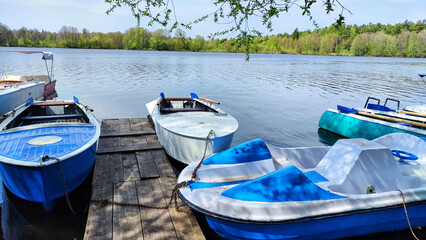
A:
x: 301, y: 219
x: 198, y: 138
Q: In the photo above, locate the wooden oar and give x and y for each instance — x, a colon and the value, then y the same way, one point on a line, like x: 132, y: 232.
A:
x: 194, y: 95
x: 208, y: 100
x: 392, y: 119
x: 411, y: 113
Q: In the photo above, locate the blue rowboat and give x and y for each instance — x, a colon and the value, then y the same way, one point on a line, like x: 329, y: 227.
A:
x: 47, y: 149
x: 374, y: 120
x: 258, y: 191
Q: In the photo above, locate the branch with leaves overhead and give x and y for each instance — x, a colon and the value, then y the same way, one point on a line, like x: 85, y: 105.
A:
x: 235, y: 13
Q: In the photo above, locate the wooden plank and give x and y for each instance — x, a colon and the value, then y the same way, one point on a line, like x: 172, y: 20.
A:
x: 113, y: 126
x: 124, y: 124
x: 108, y: 126
x: 127, y: 222
x: 163, y: 165
x: 116, y: 167
x: 186, y: 226
x: 147, y: 167
x: 129, y: 133
x: 136, y: 124
x: 140, y: 140
x: 151, y: 138
x: 135, y: 148
x: 156, y: 223
x: 130, y: 167
x: 124, y: 158
x: 101, y: 171
x: 99, y: 219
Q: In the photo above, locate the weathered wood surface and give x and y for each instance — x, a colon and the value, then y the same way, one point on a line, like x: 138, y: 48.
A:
x: 135, y: 175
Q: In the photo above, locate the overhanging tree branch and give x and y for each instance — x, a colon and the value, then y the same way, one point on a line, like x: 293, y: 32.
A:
x: 235, y: 13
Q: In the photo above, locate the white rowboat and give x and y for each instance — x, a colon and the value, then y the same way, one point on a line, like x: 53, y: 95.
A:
x: 189, y: 127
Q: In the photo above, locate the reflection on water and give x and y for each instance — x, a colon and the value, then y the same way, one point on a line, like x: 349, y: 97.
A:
x: 21, y: 219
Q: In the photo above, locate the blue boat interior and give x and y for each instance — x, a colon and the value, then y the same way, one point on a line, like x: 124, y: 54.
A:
x: 55, y: 141
x: 254, y: 150
x: 283, y: 185
x: 49, y: 113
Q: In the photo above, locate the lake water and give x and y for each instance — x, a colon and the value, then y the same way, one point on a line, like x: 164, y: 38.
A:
x: 279, y: 98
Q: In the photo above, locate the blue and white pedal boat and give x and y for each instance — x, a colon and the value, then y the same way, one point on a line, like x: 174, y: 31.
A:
x: 258, y: 191
x: 40, y: 140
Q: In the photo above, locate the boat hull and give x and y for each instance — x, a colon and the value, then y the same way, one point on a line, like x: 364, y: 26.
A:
x: 351, y: 127
x: 12, y: 98
x: 327, y: 228
x: 187, y: 149
x: 44, y: 184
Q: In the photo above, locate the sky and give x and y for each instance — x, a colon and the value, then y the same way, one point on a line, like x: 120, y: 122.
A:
x: 51, y: 15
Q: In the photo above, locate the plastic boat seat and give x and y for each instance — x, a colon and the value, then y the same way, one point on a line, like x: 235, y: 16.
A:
x: 356, y: 164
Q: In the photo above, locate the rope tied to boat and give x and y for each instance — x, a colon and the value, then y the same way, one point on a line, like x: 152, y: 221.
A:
x: 194, y: 173
x: 45, y: 158
x: 406, y: 215
x: 173, y: 197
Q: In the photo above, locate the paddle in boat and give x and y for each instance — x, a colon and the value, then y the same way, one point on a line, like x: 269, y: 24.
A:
x: 374, y: 120
x: 355, y: 187
x: 47, y: 149
x: 189, y: 127
x: 15, y: 90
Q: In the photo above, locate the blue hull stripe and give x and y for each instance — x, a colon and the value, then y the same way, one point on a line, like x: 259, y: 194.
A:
x: 201, y: 185
x: 327, y: 228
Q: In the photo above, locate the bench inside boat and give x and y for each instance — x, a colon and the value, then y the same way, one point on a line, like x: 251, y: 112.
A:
x: 50, y: 112
x: 183, y: 104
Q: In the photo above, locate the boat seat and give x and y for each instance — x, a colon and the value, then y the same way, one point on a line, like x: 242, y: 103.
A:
x: 52, y: 117
x: 355, y: 164
x: 172, y: 110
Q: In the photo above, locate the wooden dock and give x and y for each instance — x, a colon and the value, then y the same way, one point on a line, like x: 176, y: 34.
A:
x: 131, y: 167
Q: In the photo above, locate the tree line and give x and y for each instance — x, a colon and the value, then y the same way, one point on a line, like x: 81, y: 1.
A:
x: 407, y: 39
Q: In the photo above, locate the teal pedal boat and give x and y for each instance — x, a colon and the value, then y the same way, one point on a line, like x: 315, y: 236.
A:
x: 374, y: 120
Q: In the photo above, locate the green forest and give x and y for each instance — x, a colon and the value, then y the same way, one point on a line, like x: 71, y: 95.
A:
x: 407, y: 39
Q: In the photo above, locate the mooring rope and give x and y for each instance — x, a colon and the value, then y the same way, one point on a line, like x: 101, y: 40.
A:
x: 406, y: 215
x: 173, y: 197
x: 194, y: 173
x: 63, y: 182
